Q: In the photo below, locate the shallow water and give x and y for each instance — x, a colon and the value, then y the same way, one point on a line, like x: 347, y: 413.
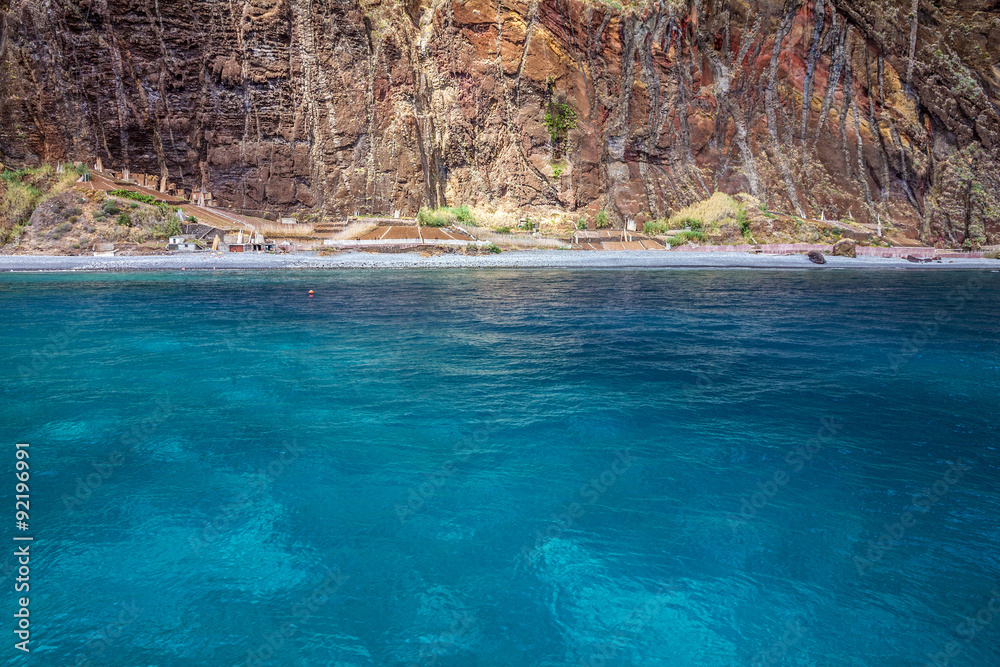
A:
x: 507, y: 467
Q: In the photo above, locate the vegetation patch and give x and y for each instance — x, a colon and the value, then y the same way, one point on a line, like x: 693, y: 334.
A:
x: 744, y: 223
x: 602, y: 220
x: 60, y: 230
x: 560, y: 118
x: 22, y: 190
x: 172, y: 227
x: 708, y: 213
x: 445, y: 216
x: 135, y: 196
x: 655, y: 227
x: 685, y: 237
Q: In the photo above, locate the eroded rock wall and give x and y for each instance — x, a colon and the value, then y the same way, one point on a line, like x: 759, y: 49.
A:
x: 868, y: 108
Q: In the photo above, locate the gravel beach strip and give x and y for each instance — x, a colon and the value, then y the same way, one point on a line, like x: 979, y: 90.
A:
x: 537, y: 259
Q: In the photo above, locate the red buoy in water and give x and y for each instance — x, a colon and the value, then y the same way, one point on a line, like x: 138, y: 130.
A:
x: 310, y: 292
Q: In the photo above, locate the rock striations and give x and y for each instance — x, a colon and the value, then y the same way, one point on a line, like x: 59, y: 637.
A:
x: 881, y: 110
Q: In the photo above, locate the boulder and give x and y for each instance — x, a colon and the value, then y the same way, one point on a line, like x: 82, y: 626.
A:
x: 816, y: 257
x: 845, y: 248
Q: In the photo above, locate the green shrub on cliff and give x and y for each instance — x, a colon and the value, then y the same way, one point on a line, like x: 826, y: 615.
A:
x: 744, y: 223
x: 560, y: 117
x: 602, y: 220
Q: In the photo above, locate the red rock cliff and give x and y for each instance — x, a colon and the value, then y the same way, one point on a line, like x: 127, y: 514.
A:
x: 867, y: 107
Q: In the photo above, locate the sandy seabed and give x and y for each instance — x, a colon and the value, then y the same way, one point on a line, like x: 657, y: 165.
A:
x: 537, y: 259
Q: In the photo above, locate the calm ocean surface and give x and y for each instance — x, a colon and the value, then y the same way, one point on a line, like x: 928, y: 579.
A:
x: 492, y: 468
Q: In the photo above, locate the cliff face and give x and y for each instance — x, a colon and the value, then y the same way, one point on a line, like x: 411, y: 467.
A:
x: 835, y: 107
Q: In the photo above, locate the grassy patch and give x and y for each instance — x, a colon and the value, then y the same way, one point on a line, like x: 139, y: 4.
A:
x: 694, y: 224
x: 18, y: 203
x: 685, y: 236
x: 602, y: 220
x: 445, y: 216
x: 655, y: 227
x: 719, y: 216
x: 134, y: 196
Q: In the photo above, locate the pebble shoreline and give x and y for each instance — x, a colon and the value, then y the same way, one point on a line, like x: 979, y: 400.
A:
x: 540, y: 259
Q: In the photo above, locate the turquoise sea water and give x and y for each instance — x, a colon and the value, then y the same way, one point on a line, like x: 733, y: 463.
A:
x: 679, y: 468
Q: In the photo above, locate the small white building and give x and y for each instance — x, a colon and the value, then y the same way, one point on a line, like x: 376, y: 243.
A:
x: 181, y: 244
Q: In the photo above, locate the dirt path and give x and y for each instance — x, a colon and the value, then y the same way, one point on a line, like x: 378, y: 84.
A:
x: 208, y: 215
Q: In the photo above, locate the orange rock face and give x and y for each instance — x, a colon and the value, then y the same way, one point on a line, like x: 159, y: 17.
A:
x: 814, y: 107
